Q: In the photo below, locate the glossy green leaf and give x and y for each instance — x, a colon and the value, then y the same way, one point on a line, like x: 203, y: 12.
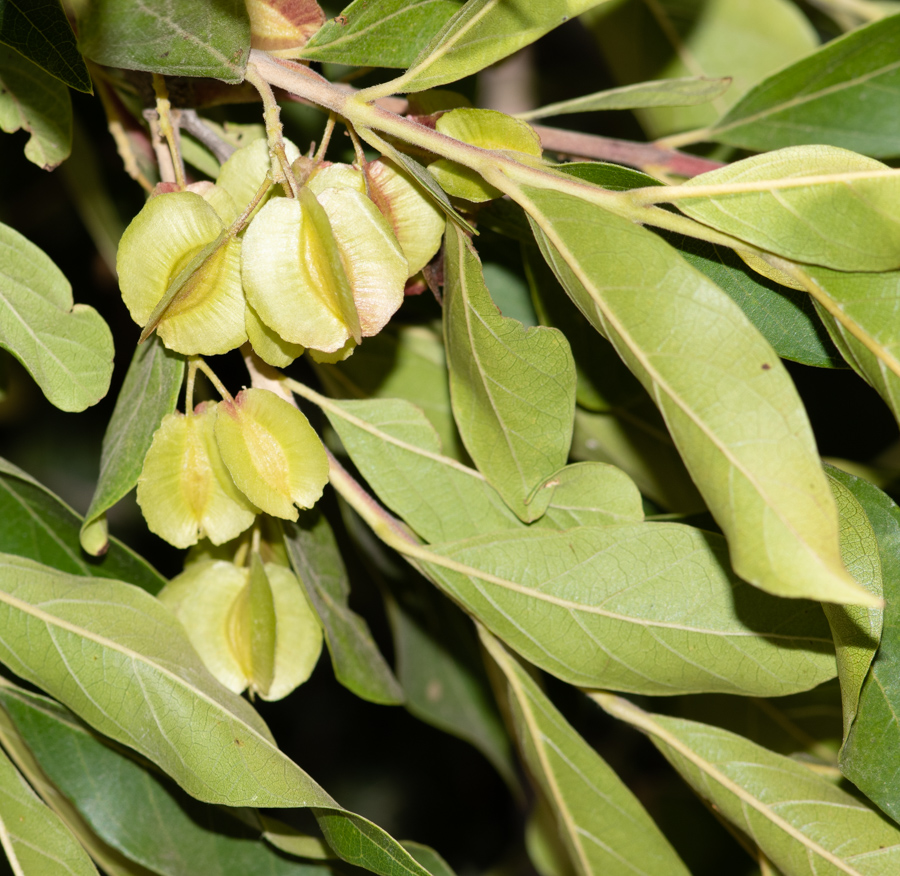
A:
x: 34, y: 839
x: 45, y: 529
x: 856, y: 629
x: 42, y: 33
x: 397, y: 450
x: 803, y: 823
x: 405, y: 362
x: 134, y: 809
x: 785, y: 317
x: 842, y: 95
x: 440, y: 667
x: 428, y: 858
x: 40, y: 526
x: 357, y: 662
x: 386, y: 33
x: 36, y: 102
x: 604, y: 827
x: 744, y: 41
x: 479, y: 34
x: 121, y: 661
x: 149, y: 392
x: 773, y: 505
x: 815, y: 204
x: 859, y: 311
x: 178, y: 38
x: 67, y: 348
x: 647, y: 608
x: 688, y: 91
x: 513, y: 389
x: 870, y: 754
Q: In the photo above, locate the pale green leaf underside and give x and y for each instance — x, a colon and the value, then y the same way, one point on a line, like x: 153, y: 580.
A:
x: 122, y: 662
x: 647, y: 608
x: 35, y: 101
x: 481, y: 33
x: 606, y: 830
x: 513, y: 389
x: 149, y: 392
x: 741, y: 429
x: 687, y: 91
x: 67, y: 349
x: 856, y: 629
x: 386, y: 33
x: 803, y: 823
x: 34, y: 839
x: 844, y: 94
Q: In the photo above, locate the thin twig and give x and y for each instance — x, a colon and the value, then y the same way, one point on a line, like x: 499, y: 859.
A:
x: 203, y: 133
x: 168, y: 127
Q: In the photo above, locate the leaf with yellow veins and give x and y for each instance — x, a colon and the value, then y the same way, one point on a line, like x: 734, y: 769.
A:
x: 193, y: 297
x: 185, y: 491
x: 416, y: 221
x: 272, y: 453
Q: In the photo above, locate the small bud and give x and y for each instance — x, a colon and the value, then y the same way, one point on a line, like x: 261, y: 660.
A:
x: 272, y: 453
x: 185, y: 491
x: 416, y: 222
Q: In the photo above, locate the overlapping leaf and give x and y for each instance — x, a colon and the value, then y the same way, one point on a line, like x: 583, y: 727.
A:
x: 741, y: 429
x: 600, y: 821
x: 40, y: 526
x: 513, y: 390
x: 815, y: 204
x: 122, y: 662
x: 844, y: 95
x: 175, y: 37
x: 386, y: 33
x: 135, y: 810
x: 149, y: 392
x: 650, y: 608
x: 803, y: 823
x: 35, y: 841
x: 67, y: 348
x: 358, y: 663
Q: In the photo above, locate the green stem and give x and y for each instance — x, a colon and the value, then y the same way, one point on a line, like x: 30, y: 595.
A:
x: 220, y: 387
x: 281, y: 167
x: 167, y: 129
x: 193, y: 365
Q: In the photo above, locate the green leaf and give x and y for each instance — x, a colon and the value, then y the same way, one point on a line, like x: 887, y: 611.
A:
x: 689, y: 91
x: 67, y: 348
x: 33, y: 837
x: 149, y: 392
x: 604, y: 827
x: 479, y: 34
x: 513, y: 389
x: 870, y: 753
x: 815, y: 204
x: 398, y: 452
x: 122, y: 662
x: 41, y: 32
x: 405, y: 362
x: 386, y: 33
x: 36, y: 102
x: 773, y: 505
x: 785, y: 317
x: 744, y: 41
x: 357, y: 662
x: 440, y: 667
x: 428, y: 858
x: 650, y: 608
x: 856, y: 629
x: 804, y: 824
x: 841, y: 95
x: 178, y: 38
x: 592, y: 494
x: 40, y: 526
x: 116, y: 796
x: 859, y: 311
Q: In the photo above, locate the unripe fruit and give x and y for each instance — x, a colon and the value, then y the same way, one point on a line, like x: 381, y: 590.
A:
x: 267, y: 344
x: 244, y: 172
x: 272, y: 453
x: 253, y: 628
x: 177, y: 265
x: 416, y: 222
x: 185, y: 491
